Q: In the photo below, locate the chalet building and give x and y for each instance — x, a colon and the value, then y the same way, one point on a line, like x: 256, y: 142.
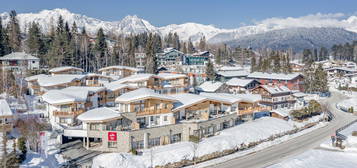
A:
x: 293, y: 81
x: 40, y: 84
x: 63, y: 106
x: 6, y: 116
x: 114, y: 90
x: 93, y: 79
x: 170, y: 83
x: 119, y: 71
x: 212, y: 87
x: 226, y: 75
x: 296, y: 67
x: 236, y: 85
x: 143, y: 118
x: 19, y: 61
x: 66, y: 70
x: 142, y: 80
x: 280, y: 113
x: 198, y: 58
x: 275, y: 96
x: 140, y: 59
x: 170, y: 57
x: 340, y: 71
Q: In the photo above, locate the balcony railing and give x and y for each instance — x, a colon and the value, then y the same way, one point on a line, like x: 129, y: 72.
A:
x: 70, y: 113
x: 151, y: 112
x: 252, y: 110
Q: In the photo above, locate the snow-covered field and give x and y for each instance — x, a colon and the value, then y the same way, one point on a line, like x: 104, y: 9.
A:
x: 230, y: 138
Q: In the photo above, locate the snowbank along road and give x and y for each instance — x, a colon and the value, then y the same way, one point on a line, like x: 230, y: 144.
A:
x: 297, y: 145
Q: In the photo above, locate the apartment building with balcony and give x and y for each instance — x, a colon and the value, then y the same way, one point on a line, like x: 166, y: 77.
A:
x: 293, y: 81
x: 275, y: 96
x: 118, y: 71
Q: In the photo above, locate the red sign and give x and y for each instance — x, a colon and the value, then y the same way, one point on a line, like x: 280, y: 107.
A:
x: 112, y: 136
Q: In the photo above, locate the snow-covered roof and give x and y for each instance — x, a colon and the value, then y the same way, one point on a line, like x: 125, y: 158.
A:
x: 210, y: 86
x: 277, y: 76
x: 65, y: 96
x: 99, y: 75
x: 34, y: 77
x: 136, y: 78
x: 52, y: 80
x: 299, y: 94
x: 168, y: 76
x: 120, y: 67
x: 200, y: 53
x: 239, y: 82
x: 235, y: 73
x: 222, y: 97
x: 186, y: 100
x: 86, y: 88
x: 141, y: 94
x: 230, y: 68
x: 65, y: 68
x: 170, y: 49
x: 99, y: 114
x: 113, y: 86
x: 281, y: 112
x: 18, y: 56
x: 275, y: 89
x: 5, y: 108
x: 342, y: 69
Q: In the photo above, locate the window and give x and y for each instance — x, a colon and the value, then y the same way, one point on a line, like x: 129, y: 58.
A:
x: 154, y: 141
x: 63, y: 120
x: 165, y: 118
x: 175, y: 138
x: 138, y: 145
x: 112, y: 144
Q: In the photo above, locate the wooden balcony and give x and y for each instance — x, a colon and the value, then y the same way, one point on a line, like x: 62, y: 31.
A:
x: 68, y: 114
x: 252, y: 110
x: 152, y: 112
x: 6, y: 127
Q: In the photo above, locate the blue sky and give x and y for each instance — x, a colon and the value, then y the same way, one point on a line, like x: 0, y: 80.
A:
x: 222, y: 13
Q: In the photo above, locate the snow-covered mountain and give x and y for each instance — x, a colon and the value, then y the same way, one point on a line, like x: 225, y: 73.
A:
x: 296, y: 38
x: 193, y: 31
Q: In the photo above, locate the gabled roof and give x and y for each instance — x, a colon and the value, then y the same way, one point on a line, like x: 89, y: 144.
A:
x: 65, y: 96
x: 210, y: 86
x: 276, y: 76
x: 186, y: 100
x: 233, y: 98
x: 239, y: 82
x: 86, y: 88
x: 168, y: 76
x: 113, y: 86
x: 342, y: 69
x: 237, y: 73
x: 52, y: 80
x: 99, y: 114
x: 64, y: 68
x: 136, y: 78
x: 119, y: 67
x: 99, y: 75
x: 141, y: 94
x: 275, y: 89
x: 281, y: 112
x: 230, y: 68
x: 5, y: 108
x: 18, y: 56
x: 34, y: 77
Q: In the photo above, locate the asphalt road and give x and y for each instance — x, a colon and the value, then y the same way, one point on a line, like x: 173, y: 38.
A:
x: 294, y: 146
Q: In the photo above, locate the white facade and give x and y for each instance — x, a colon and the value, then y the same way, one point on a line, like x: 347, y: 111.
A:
x: 19, y: 61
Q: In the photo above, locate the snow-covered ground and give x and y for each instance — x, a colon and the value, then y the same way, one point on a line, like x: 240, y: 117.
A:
x: 48, y: 158
x: 231, y: 138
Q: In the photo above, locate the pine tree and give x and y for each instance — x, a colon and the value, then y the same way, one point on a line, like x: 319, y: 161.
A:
x: 151, y: 62
x: 210, y: 71
x: 253, y: 66
x: 320, y: 78
x: 260, y: 64
x: 276, y: 62
x: 100, y: 49
x: 35, y: 43
x: 218, y: 58
x: 184, y: 48
x: 13, y: 31
x: 4, y: 41
x: 202, y: 44
x: 176, y: 42
x: 190, y: 47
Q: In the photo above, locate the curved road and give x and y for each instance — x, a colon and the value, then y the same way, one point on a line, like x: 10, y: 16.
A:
x: 294, y: 146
